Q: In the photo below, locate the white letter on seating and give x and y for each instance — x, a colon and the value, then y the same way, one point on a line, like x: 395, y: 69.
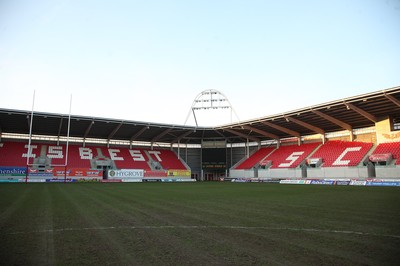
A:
x: 55, y: 152
x: 292, y: 158
x: 156, y: 153
x: 339, y: 161
x: 137, y: 156
x: 113, y: 155
x: 85, y: 153
x: 30, y: 150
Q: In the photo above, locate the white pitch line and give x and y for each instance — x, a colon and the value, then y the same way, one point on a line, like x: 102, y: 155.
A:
x: 145, y: 227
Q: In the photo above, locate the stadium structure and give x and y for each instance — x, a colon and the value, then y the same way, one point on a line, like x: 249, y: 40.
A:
x: 355, y: 138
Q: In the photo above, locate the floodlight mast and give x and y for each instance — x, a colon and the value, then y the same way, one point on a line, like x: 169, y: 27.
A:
x: 205, y: 100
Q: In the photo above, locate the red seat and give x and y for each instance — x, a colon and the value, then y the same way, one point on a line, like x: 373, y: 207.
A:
x: 336, y: 153
x: 255, y: 158
x: 291, y: 156
x: 15, y: 154
x: 389, y: 147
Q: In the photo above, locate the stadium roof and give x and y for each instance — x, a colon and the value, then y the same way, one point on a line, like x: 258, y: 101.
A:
x: 345, y: 114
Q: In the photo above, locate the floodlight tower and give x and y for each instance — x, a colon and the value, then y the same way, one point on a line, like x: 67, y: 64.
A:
x: 209, y: 100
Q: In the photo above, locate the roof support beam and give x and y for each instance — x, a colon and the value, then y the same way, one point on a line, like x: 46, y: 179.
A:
x: 262, y: 132
x: 283, y: 129
x: 140, y: 132
x: 241, y: 135
x: 306, y: 125
x: 392, y: 99
x: 162, y: 134
x: 367, y: 115
x: 336, y: 122
x: 219, y: 133
x: 114, y: 131
x: 88, y: 129
x: 59, y: 130
x: 333, y: 120
x: 178, y: 139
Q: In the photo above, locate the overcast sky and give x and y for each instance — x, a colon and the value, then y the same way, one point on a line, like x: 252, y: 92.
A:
x: 148, y: 60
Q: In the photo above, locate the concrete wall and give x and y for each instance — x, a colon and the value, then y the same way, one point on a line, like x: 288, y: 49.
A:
x: 337, y: 172
x: 387, y: 172
x: 382, y: 172
x: 279, y: 173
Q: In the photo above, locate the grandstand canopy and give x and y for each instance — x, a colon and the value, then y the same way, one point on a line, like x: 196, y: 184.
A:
x: 345, y: 114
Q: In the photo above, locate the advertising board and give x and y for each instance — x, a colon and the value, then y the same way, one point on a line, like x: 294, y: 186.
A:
x: 154, y: 173
x: 126, y: 174
x: 357, y: 183
x: 322, y: 182
x: 342, y: 183
x: 383, y: 183
x: 12, y: 171
x: 59, y: 172
x: 293, y: 181
x: 9, y: 180
x: 132, y: 180
x: 180, y: 173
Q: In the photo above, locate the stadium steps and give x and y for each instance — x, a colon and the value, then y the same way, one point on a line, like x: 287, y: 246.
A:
x: 365, y: 159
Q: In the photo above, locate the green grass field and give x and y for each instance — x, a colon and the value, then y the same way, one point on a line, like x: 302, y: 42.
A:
x: 198, y: 224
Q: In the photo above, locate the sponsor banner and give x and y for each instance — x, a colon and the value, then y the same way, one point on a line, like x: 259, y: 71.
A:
x: 126, y: 173
x: 36, y: 172
x: 155, y: 174
x: 60, y: 180
x: 9, y: 180
x: 168, y: 180
x: 111, y: 180
x: 270, y: 180
x: 241, y: 180
x: 152, y: 180
x: 357, y: 183
x: 185, y: 180
x: 77, y: 172
x: 293, y: 181
x: 33, y: 180
x: 72, y: 172
x: 91, y: 173
x: 342, y: 183
x: 81, y: 172
x: 382, y: 180
x: 12, y: 171
x: 60, y: 172
x: 88, y: 180
x: 181, y: 173
x: 132, y: 180
x: 177, y: 180
x: 322, y: 182
x: 256, y: 180
x: 384, y: 184
x: 337, y: 179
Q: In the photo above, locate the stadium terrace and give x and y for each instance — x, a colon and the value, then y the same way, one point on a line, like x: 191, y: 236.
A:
x: 356, y: 138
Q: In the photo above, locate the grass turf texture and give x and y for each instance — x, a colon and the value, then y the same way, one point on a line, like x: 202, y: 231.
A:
x: 198, y: 224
